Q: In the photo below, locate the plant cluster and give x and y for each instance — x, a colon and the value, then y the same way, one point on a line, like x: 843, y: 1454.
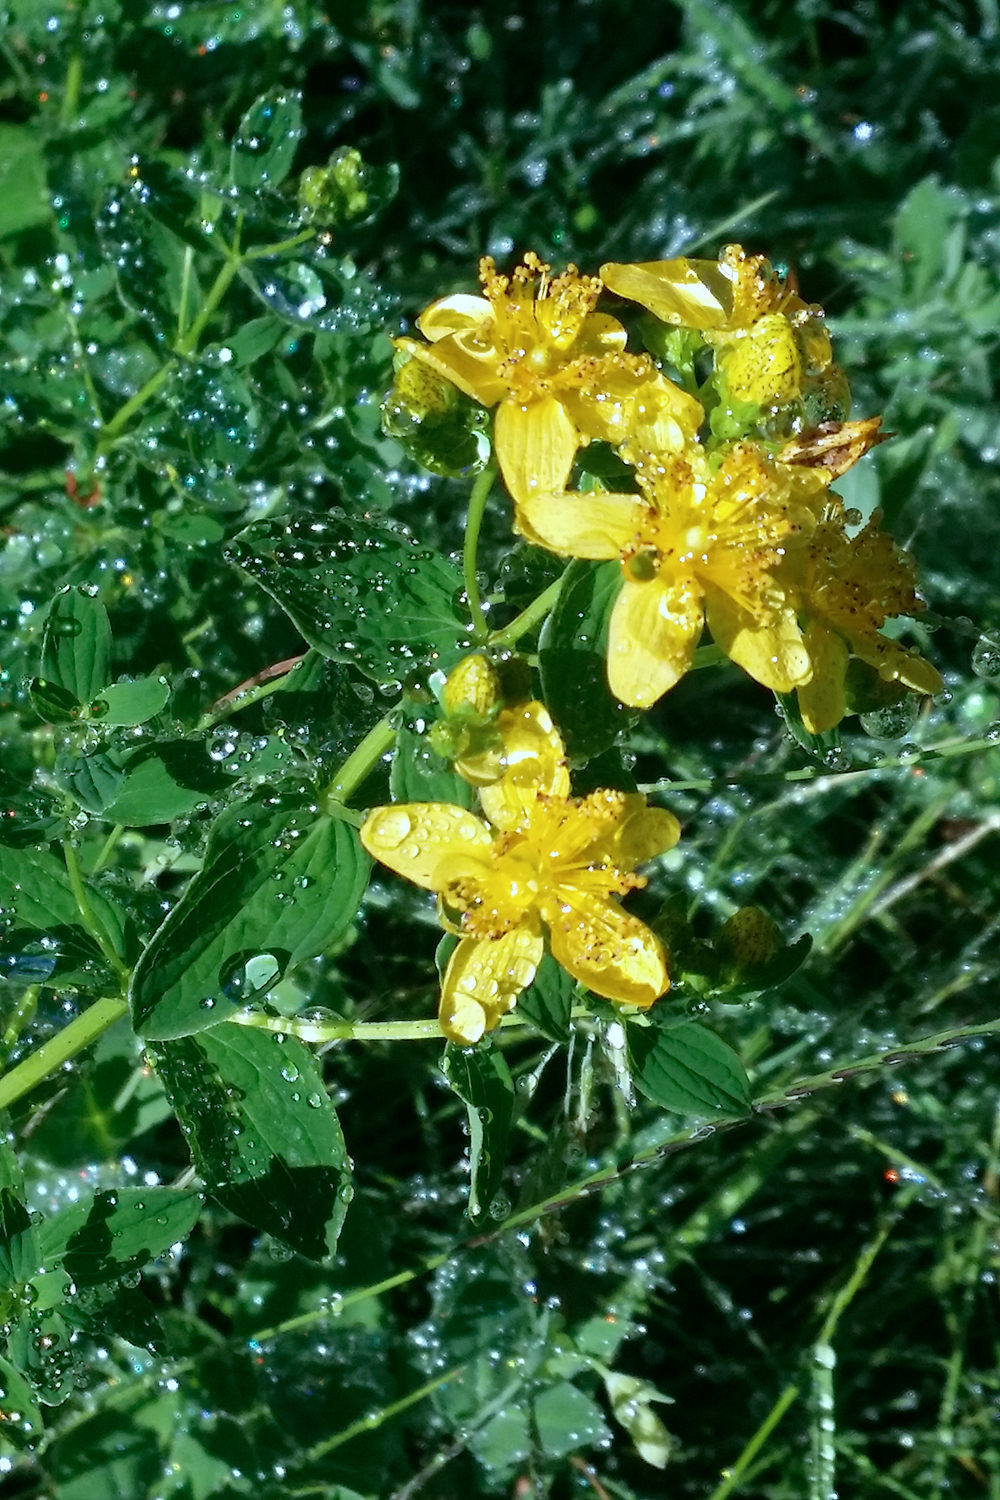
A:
x: 272, y: 638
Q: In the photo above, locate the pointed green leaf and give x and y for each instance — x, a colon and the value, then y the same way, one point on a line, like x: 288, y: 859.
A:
x: 279, y: 885
x: 359, y: 589
x: 20, y: 1413
x: 263, y: 1133
x: 118, y: 1231
x: 548, y: 1001
x: 19, y: 1253
x: 572, y: 654
x: 35, y: 887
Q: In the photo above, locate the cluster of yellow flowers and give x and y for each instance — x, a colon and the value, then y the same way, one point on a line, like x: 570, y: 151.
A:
x: 743, y: 532
x: 730, y: 521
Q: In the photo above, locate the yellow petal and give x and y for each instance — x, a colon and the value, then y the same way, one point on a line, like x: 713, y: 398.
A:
x: 535, y: 446
x: 695, y: 293
x: 456, y: 314
x: 773, y: 654
x: 643, y: 833
x: 606, y: 949
x: 651, y: 639
x: 483, y: 980
x: 595, y: 526
x: 822, y: 702
x: 600, y: 334
x: 534, y: 761
x: 413, y: 838
x: 897, y: 663
x: 474, y: 374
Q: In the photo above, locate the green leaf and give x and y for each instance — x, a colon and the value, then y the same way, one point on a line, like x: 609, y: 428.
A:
x: 566, y: 1419
x: 24, y: 200
x: 572, y: 657
x: 76, y: 644
x: 19, y: 1254
x: 687, y: 1069
x: 93, y: 780
x: 35, y: 889
x: 419, y: 774
x: 481, y: 1079
x: 20, y: 1414
x: 52, y: 702
x: 192, y: 530
x: 505, y: 1441
x: 165, y: 781
x: 548, y: 1001
x: 265, y: 143
x: 262, y: 1131
x: 118, y: 1231
x: 255, y: 338
x: 359, y: 589
x: 131, y: 702
x: 278, y: 885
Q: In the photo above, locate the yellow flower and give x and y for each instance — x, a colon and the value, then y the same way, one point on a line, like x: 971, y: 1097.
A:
x: 773, y: 347
x: 558, y: 369
x: 846, y: 588
x: 696, y: 544
x: 543, y: 861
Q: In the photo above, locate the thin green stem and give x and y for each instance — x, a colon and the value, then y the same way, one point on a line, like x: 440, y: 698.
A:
x: 51, y: 1055
x: 732, y: 1478
x: 529, y: 618
x: 182, y: 311
x: 360, y: 763
x: 242, y: 698
x: 263, y: 252
x: 90, y: 922
x: 473, y: 525
x: 112, y: 430
x: 339, y: 1304
x: 827, y: 779
x: 108, y: 848
x: 428, y: 1029
x: 220, y: 286
x: 71, y: 89
x: 376, y: 1419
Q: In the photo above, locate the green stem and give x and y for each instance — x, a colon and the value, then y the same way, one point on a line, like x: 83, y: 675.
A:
x: 360, y: 763
x: 262, y: 252
x: 71, y: 91
x: 528, y: 618
x: 91, y: 923
x: 945, y: 751
x: 473, y: 525
x: 376, y: 1419
x: 339, y: 1304
x: 182, y: 311
x: 428, y: 1029
x: 108, y: 848
x: 51, y: 1055
x: 220, y: 286
x: 112, y: 430
x: 731, y: 1477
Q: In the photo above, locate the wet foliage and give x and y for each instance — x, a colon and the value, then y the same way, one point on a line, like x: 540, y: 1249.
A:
x: 346, y: 1263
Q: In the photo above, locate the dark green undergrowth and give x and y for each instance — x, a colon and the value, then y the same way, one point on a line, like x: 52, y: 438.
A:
x: 194, y: 344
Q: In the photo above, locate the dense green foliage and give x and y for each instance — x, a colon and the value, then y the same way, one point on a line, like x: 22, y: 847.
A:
x: 235, y: 1263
